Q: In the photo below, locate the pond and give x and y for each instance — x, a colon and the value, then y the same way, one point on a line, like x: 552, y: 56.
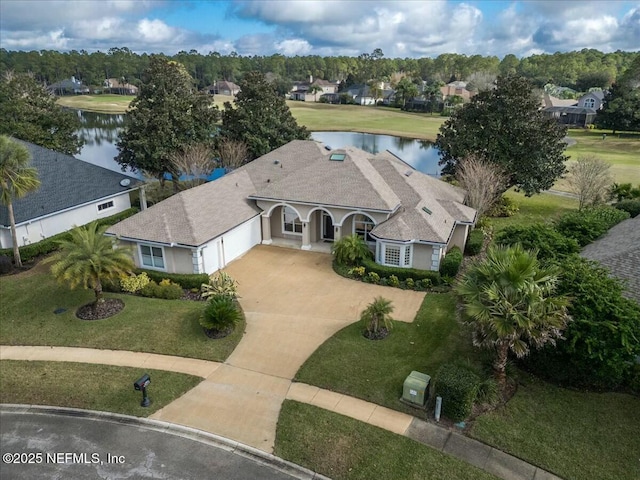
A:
x: 100, y: 132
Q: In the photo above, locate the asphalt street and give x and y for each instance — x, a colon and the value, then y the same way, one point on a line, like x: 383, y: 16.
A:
x: 35, y: 446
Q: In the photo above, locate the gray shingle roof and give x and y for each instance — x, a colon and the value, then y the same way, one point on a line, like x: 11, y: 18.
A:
x: 619, y: 251
x: 302, y: 172
x: 195, y: 216
x: 65, y: 182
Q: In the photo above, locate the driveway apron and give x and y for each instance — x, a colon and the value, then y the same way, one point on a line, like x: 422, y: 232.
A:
x: 293, y: 302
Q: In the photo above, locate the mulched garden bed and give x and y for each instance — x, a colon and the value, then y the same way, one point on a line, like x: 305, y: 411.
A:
x: 381, y: 334
x: 108, y: 308
x: 214, y: 334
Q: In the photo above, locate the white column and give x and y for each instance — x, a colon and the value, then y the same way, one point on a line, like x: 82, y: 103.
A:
x: 266, y: 230
x: 337, y: 232
x: 306, y: 236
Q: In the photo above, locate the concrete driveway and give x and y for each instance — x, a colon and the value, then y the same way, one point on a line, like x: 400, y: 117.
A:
x: 293, y: 302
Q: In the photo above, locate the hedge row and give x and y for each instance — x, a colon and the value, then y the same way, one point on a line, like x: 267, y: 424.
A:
x: 474, y: 242
x: 401, y: 273
x: 458, y: 387
x: 48, y: 245
x: 632, y: 207
x: 451, y: 262
x: 185, y: 280
x: 590, y: 223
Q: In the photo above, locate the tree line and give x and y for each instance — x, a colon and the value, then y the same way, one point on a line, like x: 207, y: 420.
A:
x: 579, y: 70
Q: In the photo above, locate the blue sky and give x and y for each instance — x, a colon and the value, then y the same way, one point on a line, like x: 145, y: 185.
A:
x: 413, y: 28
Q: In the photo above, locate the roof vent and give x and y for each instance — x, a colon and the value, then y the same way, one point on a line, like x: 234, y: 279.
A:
x: 125, y: 182
x: 276, y: 162
x: 327, y: 147
x: 337, y: 157
x: 426, y: 210
x: 408, y: 172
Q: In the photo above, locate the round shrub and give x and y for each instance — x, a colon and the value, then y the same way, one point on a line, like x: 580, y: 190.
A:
x: 450, y: 264
x: 632, y: 207
x: 220, y: 315
x: 458, y: 387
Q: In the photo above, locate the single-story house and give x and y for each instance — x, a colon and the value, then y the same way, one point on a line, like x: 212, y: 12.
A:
x: 619, y: 251
x: 303, y: 195
x: 222, y: 87
x: 72, y: 192
x: 68, y: 86
x: 113, y: 85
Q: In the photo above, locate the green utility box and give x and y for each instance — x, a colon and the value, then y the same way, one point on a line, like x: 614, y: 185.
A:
x: 415, y: 389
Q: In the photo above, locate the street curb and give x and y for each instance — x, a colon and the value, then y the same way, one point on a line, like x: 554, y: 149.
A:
x: 211, y: 439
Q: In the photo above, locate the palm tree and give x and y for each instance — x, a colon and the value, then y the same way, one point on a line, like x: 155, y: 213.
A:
x: 16, y: 180
x: 89, y: 257
x: 350, y: 250
x: 377, y: 315
x: 509, y: 301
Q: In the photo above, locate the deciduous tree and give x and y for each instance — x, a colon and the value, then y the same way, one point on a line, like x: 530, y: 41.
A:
x: 260, y: 118
x: 29, y: 112
x: 505, y: 126
x: 589, y: 178
x: 484, y: 182
x: 17, y: 179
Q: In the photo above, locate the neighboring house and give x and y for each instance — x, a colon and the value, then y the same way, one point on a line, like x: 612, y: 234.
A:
x: 302, y: 91
x: 575, y: 116
x: 619, y: 251
x: 303, y: 195
x: 458, y: 88
x: 222, y: 87
x: 68, y: 87
x: 113, y: 85
x: 551, y: 101
x: 361, y: 94
x: 72, y: 192
x: 592, y: 100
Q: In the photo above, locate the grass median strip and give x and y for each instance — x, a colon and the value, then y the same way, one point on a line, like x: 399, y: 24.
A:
x: 343, y: 448
x: 577, y: 435
x: 94, y: 387
x: 151, y: 325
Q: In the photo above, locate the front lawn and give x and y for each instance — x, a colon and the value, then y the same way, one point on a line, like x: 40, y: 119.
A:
x: 575, y: 434
x: 93, y: 387
x: 152, y: 325
x: 375, y: 370
x: 343, y: 448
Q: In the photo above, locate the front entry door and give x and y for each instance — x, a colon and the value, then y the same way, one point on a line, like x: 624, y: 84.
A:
x: 327, y: 226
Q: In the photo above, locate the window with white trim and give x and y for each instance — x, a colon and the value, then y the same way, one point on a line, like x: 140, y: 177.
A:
x: 105, y: 205
x: 589, y: 103
x: 362, y: 226
x: 152, y: 257
x: 395, y: 255
x: 291, y: 223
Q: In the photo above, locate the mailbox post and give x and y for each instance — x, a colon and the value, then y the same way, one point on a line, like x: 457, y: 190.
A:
x: 141, y: 385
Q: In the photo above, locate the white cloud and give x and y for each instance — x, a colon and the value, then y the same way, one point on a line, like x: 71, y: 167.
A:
x: 293, y: 47
x: 156, y: 31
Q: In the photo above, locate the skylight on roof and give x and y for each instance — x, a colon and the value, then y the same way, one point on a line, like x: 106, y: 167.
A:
x: 426, y: 210
x: 337, y: 157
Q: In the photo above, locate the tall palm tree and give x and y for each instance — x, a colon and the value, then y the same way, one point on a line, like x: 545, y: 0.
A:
x: 377, y: 315
x: 509, y: 299
x: 89, y: 257
x: 16, y: 180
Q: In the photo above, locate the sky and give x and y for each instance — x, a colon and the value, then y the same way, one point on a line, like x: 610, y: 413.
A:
x: 413, y: 28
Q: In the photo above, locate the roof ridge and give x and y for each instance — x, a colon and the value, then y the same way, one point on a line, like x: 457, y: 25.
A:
x: 373, y: 177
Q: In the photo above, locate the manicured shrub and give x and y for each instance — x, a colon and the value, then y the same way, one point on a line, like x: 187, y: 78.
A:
x: 169, y: 290
x: 220, y: 315
x: 357, y: 272
x: 549, y: 243
x: 5, y: 265
x: 134, y: 283
x: 505, y: 207
x: 474, y: 242
x: 588, y: 224
x: 350, y: 250
x: 458, y: 387
x: 632, y: 207
x: 393, y: 281
x: 150, y: 290
x: 450, y: 264
x: 185, y: 280
x: 424, y: 284
x: 401, y: 273
x: 220, y: 283
x: 410, y: 283
x: 373, y: 277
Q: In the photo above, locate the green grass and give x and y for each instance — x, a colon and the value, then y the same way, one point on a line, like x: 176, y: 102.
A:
x: 93, y: 387
x: 145, y: 325
x: 375, y: 370
x: 343, y: 448
x: 538, y: 208
x: 97, y: 103
x: 574, y: 434
x: 621, y: 151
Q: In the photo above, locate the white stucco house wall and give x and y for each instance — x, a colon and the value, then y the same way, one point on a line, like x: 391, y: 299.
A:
x: 303, y: 195
x: 72, y: 192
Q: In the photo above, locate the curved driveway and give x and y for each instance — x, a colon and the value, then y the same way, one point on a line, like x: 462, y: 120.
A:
x: 293, y: 302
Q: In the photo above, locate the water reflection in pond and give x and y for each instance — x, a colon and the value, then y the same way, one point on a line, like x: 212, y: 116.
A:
x: 100, y: 132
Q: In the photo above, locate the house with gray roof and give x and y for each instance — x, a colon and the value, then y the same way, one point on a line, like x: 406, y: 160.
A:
x: 303, y: 195
x: 619, y: 251
x: 72, y: 192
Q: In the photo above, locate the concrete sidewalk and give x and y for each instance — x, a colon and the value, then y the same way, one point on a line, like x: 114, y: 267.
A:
x: 267, y: 391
